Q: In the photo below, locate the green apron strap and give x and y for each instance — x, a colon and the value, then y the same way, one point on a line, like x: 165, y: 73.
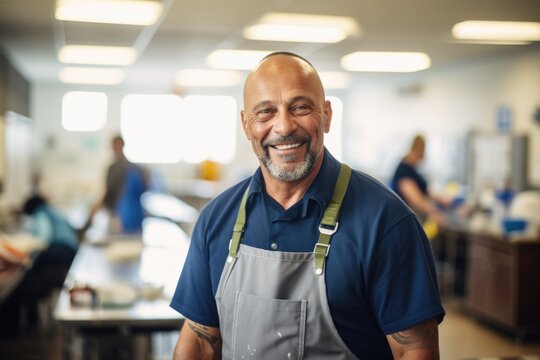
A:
x: 238, y: 228
x: 329, y: 223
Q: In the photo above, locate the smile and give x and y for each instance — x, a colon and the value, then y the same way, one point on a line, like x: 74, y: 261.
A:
x: 287, y: 146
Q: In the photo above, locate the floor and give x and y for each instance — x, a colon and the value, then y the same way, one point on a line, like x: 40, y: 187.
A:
x: 461, y: 338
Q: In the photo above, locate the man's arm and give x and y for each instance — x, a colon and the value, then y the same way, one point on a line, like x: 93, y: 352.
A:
x: 197, y: 341
x: 419, y: 342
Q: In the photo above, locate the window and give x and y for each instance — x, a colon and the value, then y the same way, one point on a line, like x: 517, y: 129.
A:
x: 167, y: 129
x: 211, y: 124
x: 84, y: 111
x: 151, y: 126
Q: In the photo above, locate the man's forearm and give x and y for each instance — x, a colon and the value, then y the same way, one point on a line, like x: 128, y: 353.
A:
x: 197, y: 341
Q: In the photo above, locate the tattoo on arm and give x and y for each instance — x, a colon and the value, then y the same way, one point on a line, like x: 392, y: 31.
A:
x: 423, y: 335
x: 203, y: 334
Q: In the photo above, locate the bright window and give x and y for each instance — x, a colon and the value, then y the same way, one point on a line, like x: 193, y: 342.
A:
x: 84, y: 111
x: 211, y: 124
x: 333, y: 140
x: 167, y: 129
x: 151, y: 126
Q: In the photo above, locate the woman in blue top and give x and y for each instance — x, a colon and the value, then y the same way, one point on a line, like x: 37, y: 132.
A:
x: 412, y: 187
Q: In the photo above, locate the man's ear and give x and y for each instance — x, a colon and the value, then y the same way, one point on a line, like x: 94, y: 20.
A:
x: 327, y: 115
x: 243, y: 116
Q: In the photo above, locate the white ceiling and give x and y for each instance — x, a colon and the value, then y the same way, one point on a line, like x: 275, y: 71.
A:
x: 190, y: 29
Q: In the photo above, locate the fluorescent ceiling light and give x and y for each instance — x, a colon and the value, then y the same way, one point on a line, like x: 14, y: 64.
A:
x: 491, y: 42
x: 101, y: 76
x: 380, y: 61
x: 235, y: 59
x: 302, y: 28
x: 136, y: 12
x: 208, y: 78
x: 96, y: 55
x: 497, y: 30
x: 334, y: 79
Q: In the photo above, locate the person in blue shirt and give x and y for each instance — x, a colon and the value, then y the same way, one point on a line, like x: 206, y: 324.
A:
x: 49, y: 267
x: 124, y: 185
x: 412, y: 187
x: 306, y: 258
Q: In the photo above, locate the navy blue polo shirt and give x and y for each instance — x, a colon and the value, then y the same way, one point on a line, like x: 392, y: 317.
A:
x: 405, y: 170
x: 379, y: 273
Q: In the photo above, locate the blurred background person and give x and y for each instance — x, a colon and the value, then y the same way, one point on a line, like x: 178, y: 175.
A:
x: 124, y: 185
x: 50, y: 265
x: 412, y: 187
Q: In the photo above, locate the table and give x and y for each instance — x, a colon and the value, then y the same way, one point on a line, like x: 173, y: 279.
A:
x: 151, y: 261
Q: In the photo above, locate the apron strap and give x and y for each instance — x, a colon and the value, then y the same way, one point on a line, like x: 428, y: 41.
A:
x: 238, y: 229
x: 327, y: 227
x: 329, y: 222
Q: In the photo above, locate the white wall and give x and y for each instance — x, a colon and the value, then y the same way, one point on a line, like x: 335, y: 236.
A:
x: 384, y: 112
x: 381, y: 113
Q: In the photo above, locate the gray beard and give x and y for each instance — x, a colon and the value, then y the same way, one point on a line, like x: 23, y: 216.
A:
x: 301, y: 171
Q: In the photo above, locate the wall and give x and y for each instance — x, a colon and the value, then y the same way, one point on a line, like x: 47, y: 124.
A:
x: 381, y: 113
x: 445, y: 105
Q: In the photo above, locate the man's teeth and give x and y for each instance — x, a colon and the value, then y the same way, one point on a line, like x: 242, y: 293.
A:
x: 288, y: 146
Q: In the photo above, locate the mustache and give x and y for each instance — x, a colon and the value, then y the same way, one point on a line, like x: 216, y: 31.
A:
x: 288, y: 139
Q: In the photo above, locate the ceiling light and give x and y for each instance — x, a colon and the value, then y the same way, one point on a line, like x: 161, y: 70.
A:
x: 235, y: 59
x: 385, y: 61
x: 491, y: 42
x: 497, y: 30
x: 101, y: 76
x: 97, y: 55
x: 334, y: 79
x: 109, y: 11
x: 208, y: 78
x: 302, y: 28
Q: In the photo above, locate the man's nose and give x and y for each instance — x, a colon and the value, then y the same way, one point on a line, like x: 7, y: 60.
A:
x: 285, y: 124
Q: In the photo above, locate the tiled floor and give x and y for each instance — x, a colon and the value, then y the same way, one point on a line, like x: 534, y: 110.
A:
x: 461, y: 338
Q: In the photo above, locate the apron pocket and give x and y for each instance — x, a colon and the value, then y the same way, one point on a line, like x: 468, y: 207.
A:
x: 268, y: 326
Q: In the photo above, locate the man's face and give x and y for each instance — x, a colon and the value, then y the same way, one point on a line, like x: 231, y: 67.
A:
x: 285, y: 117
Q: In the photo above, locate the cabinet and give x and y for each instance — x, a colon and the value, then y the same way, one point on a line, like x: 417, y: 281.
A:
x: 504, y: 281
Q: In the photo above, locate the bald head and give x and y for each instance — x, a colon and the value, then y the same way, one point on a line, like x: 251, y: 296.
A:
x: 283, y: 65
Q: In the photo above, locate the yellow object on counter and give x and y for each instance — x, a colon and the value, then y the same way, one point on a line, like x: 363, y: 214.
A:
x: 430, y: 228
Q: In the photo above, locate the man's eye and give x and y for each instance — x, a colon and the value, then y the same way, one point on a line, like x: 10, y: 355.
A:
x: 265, y: 114
x: 300, y: 110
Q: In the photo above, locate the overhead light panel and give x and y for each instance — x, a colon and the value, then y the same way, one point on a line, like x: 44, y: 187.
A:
x: 96, y: 55
x: 235, y: 59
x: 97, y: 76
x: 302, y: 28
x: 382, y: 61
x: 208, y: 78
x: 129, y: 12
x: 497, y: 30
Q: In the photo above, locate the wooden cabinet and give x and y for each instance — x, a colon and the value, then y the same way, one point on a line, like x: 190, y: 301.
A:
x: 504, y: 281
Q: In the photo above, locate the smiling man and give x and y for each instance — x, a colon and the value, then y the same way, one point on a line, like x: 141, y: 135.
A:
x: 306, y: 259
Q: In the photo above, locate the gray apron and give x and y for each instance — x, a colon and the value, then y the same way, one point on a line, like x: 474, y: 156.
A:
x: 272, y: 304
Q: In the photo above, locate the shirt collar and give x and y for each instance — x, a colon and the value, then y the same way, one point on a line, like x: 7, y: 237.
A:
x: 320, y: 190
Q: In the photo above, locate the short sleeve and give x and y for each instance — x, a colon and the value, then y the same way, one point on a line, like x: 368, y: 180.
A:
x: 402, y: 280
x: 193, y: 297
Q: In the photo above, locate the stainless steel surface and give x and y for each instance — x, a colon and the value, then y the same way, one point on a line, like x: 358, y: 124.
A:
x: 150, y: 267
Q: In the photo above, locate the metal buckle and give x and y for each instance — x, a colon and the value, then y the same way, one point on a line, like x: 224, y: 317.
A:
x: 327, y: 230
x: 326, y: 246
